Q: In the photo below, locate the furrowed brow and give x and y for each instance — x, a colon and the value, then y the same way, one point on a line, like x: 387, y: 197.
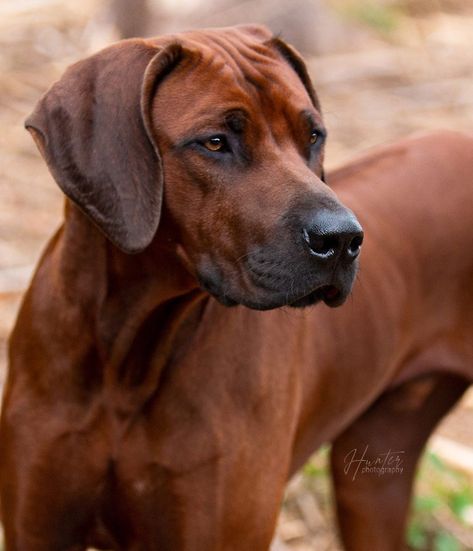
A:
x: 313, y: 121
x: 236, y: 120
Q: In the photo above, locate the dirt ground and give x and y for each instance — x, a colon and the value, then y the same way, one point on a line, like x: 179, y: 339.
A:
x: 414, y: 78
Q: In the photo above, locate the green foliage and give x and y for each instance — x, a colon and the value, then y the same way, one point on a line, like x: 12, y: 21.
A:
x: 445, y: 542
x: 442, y: 492
x: 416, y: 536
x: 317, y: 466
x: 311, y: 470
x: 460, y: 501
x: 427, y: 503
x: 381, y: 17
x: 435, y: 461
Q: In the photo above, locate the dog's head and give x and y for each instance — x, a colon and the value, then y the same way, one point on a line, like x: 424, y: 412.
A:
x: 226, y: 126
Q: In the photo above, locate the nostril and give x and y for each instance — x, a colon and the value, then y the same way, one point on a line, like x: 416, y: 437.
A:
x: 322, y: 245
x: 355, y: 245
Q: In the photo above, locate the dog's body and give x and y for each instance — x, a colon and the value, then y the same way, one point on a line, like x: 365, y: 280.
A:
x: 140, y: 413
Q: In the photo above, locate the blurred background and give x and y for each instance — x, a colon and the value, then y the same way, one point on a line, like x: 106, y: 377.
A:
x: 382, y: 70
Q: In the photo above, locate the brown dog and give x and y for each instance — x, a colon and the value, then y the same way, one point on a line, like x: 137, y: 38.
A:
x: 141, y: 413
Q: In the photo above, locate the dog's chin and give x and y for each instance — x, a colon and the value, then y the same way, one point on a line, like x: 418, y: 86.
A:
x: 260, y: 297
x: 329, y: 294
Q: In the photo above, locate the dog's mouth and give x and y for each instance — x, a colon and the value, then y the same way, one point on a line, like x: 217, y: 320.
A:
x: 330, y: 294
x: 266, y: 291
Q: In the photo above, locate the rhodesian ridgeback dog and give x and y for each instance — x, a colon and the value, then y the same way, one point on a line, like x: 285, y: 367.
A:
x: 161, y: 400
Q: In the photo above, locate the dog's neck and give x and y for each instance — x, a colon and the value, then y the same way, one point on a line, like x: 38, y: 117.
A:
x: 144, y: 307
x: 152, y: 284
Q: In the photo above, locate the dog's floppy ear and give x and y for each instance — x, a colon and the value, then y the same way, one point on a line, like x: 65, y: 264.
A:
x: 297, y: 63
x: 93, y: 129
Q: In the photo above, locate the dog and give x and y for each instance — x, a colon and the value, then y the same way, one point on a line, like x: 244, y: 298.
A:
x: 168, y: 369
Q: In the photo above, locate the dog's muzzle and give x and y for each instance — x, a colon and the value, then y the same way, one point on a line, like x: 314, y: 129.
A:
x: 310, y: 257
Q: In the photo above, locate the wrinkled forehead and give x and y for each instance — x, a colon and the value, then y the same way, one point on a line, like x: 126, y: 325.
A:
x: 232, y: 68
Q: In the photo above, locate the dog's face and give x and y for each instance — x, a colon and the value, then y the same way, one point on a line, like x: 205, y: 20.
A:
x: 236, y: 131
x: 242, y: 177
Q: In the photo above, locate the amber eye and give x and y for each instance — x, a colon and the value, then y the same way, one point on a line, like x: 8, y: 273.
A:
x: 314, y: 137
x: 215, y: 144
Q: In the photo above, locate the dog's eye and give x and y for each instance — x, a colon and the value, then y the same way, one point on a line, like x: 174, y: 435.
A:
x: 314, y: 137
x: 216, y: 143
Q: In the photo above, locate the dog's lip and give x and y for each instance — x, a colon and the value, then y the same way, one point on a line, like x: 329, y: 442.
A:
x: 327, y: 291
x: 330, y: 294
x: 265, y: 297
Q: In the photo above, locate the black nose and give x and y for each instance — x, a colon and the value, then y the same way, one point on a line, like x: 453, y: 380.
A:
x: 331, y: 235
